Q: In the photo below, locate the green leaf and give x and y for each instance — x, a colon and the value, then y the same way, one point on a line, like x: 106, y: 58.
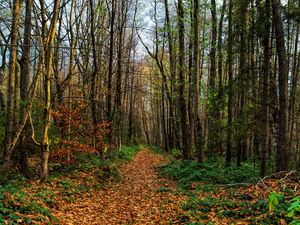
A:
x: 291, y: 213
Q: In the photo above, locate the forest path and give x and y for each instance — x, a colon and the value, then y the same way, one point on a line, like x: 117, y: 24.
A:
x: 141, y: 197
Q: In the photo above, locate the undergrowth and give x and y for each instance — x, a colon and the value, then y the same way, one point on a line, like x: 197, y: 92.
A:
x: 31, y: 203
x: 126, y: 153
x: 16, y: 207
x: 186, y: 172
x: 225, y: 195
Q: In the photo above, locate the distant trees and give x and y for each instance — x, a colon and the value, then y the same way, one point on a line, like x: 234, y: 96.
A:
x: 239, y: 55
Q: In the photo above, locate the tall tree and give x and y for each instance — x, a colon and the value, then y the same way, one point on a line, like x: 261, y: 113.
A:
x: 24, y: 81
x: 282, y: 151
x: 9, y: 128
x: 186, y: 148
x: 45, y: 151
x: 230, y: 88
x: 197, y: 122
x: 212, y: 105
x: 243, y: 79
x: 264, y: 97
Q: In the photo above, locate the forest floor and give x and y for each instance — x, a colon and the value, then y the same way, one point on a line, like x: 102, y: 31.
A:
x: 148, y: 187
x: 136, y: 199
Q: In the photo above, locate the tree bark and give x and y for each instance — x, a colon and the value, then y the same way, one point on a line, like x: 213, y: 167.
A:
x: 24, y: 84
x: 186, y: 149
x: 282, y: 151
x: 196, y: 76
x: 9, y: 128
x: 230, y: 91
x: 45, y: 151
x: 265, y: 91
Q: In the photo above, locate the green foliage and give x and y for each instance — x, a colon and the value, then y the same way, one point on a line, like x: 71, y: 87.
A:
x: 15, y: 206
x: 207, y: 188
x: 47, y: 196
x: 10, y: 177
x: 281, y: 208
x: 294, y: 208
x: 261, y: 205
x: 203, y: 205
x: 155, y: 149
x: 125, y: 153
x: 186, y: 172
x: 200, y: 207
x: 274, y: 199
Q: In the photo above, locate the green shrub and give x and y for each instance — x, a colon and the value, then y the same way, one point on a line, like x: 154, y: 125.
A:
x: 155, y: 149
x: 188, y: 171
x: 203, y: 205
x: 15, y: 205
x: 126, y: 153
x: 10, y: 177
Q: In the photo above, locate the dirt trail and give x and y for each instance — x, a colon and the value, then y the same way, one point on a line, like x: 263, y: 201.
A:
x: 137, y: 199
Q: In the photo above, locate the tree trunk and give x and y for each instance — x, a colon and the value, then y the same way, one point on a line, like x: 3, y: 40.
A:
x: 196, y: 76
x: 24, y: 84
x: 181, y: 68
x: 242, y: 82
x: 47, y: 90
x: 172, y: 123
x: 230, y: 88
x: 282, y: 151
x: 7, y: 151
x: 212, y: 106
x: 265, y: 91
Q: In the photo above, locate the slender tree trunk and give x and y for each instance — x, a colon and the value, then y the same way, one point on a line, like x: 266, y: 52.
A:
x: 9, y: 128
x: 172, y: 123
x: 295, y: 78
x: 181, y: 72
x: 220, y: 80
x: 110, y: 62
x: 212, y: 106
x: 196, y: 76
x: 230, y: 88
x: 282, y: 151
x: 2, y: 75
x: 265, y: 93
x: 242, y: 81
x: 118, y: 95
x: 95, y: 69
x: 47, y: 99
x: 24, y: 84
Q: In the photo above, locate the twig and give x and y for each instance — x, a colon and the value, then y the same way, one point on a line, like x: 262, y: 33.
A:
x: 262, y: 182
x: 288, y: 174
x: 236, y: 184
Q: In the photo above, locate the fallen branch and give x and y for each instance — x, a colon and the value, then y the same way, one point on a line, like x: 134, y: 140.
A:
x: 262, y: 182
x: 287, y: 174
x: 235, y: 184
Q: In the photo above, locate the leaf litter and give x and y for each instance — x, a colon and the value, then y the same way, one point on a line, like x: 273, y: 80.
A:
x: 136, y: 199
